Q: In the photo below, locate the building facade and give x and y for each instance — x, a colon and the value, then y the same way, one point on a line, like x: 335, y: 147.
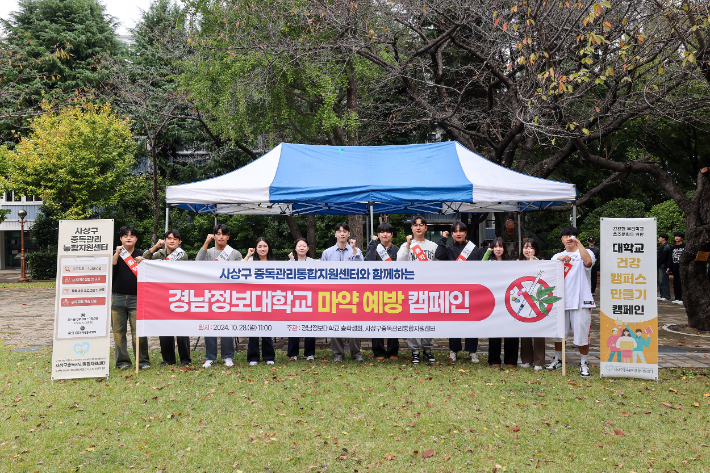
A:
x: 10, y: 241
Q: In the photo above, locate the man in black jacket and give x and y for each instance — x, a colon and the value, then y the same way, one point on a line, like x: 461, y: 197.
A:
x: 383, y: 250
x: 674, y: 266
x: 591, y: 246
x: 664, y: 254
x: 460, y: 250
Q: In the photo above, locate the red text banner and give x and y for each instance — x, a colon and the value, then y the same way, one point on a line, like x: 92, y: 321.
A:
x: 351, y: 299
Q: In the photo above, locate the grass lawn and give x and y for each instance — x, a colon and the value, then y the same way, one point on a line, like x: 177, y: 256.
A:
x: 320, y: 416
x: 28, y: 285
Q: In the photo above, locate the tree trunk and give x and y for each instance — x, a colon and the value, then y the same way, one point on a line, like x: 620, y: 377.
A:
x: 158, y: 210
x: 293, y: 226
x: 356, y: 233
x: 693, y: 274
x: 311, y: 235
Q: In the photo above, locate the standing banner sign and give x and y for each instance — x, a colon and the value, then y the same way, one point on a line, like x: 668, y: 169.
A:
x: 629, y: 310
x: 350, y: 299
x: 82, y: 346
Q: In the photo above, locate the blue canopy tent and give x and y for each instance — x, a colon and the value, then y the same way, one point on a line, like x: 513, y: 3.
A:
x: 442, y: 178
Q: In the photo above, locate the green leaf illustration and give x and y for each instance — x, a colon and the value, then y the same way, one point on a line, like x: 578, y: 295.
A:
x: 550, y: 299
x: 543, y: 308
x: 543, y: 291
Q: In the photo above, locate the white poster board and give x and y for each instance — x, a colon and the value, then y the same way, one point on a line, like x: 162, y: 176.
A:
x: 82, y: 314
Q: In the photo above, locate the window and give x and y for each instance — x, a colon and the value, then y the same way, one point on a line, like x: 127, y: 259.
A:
x: 13, y: 197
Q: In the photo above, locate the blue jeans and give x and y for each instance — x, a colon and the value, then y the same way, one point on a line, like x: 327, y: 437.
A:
x: 664, y: 283
x: 211, y: 348
x: 267, y: 349
x: 614, y: 354
x: 123, y: 312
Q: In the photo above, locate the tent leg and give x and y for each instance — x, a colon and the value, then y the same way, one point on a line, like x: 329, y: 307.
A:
x: 574, y: 215
x: 520, y: 236
x: 167, y: 217
x: 372, y: 222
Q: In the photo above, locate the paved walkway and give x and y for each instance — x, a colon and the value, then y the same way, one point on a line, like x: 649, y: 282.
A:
x: 27, y: 320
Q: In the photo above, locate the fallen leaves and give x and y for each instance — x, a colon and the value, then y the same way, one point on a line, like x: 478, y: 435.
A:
x: 428, y: 453
x: 619, y: 432
x: 624, y: 414
x: 389, y: 456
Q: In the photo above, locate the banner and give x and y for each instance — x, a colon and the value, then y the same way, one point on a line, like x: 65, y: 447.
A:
x: 629, y: 310
x: 351, y: 299
x: 81, y: 347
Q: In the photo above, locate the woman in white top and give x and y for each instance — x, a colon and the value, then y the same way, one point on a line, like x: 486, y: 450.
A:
x: 300, y: 253
x: 262, y: 248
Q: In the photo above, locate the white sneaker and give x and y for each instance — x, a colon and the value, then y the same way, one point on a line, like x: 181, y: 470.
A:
x: 524, y: 365
x: 584, y: 370
x: 310, y: 358
x: 662, y: 299
x: 474, y: 358
x: 207, y: 364
x: 253, y: 363
x: 228, y: 362
x: 538, y: 368
x: 269, y: 362
x: 452, y: 355
x: 555, y: 364
x: 677, y: 302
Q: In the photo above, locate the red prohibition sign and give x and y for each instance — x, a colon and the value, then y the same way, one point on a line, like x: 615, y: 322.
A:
x: 518, y: 285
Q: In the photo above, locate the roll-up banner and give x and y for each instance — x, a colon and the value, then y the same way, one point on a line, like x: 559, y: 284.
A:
x: 629, y: 309
x: 82, y: 347
x: 351, y: 299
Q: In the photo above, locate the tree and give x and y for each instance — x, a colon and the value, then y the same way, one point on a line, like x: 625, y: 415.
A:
x: 669, y: 217
x: 75, y: 159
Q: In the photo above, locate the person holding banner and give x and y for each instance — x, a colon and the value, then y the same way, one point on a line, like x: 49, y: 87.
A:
x: 171, y: 252
x: 309, y: 343
x: 460, y: 250
x: 532, y: 350
x: 262, y: 248
x: 498, y: 252
x: 343, y: 250
x: 383, y: 250
x: 124, y: 298
x: 578, y: 262
x: 418, y: 248
x: 221, y: 252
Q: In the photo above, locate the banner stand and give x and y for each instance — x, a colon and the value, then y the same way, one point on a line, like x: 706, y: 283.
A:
x: 138, y: 349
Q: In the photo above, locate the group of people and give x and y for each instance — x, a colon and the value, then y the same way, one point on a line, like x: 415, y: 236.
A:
x: 668, y: 262
x: 578, y: 262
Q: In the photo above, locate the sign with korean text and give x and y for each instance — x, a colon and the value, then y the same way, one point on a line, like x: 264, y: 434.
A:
x: 629, y: 310
x: 83, y: 300
x: 351, y: 299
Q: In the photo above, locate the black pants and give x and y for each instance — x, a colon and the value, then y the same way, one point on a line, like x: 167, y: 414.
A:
x: 677, y: 288
x: 510, y: 351
x: 167, y: 349
x: 595, y: 271
x: 309, y: 346
x: 267, y: 349
x: 378, y: 347
x: 471, y: 345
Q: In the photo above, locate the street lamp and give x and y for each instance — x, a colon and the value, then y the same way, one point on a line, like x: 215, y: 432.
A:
x: 22, y: 214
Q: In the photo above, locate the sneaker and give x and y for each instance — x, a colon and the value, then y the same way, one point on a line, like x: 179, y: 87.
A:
x: 555, y: 364
x: 662, y: 299
x: 538, y: 368
x: 186, y: 363
x: 452, y: 355
x: 253, y: 363
x: 394, y: 358
x: 380, y: 358
x: 270, y: 362
x: 524, y: 365
x: 310, y: 358
x: 338, y: 358
x: 228, y: 362
x: 429, y: 357
x: 584, y: 370
x: 123, y: 367
x: 166, y: 363
x: 207, y: 363
x: 415, y: 358
x: 358, y: 358
x: 293, y: 358
x: 474, y: 358
x: 144, y: 366
x: 677, y: 302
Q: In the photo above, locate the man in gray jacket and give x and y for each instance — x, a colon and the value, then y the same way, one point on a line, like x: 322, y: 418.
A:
x: 221, y: 252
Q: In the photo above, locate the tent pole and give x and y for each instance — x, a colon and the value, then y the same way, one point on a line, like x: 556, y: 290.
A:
x: 574, y: 215
x: 520, y: 236
x: 167, y: 217
x: 372, y: 222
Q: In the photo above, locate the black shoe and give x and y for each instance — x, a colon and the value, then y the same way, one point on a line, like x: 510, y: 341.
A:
x: 166, y: 363
x: 415, y: 358
x: 429, y: 357
x: 144, y: 366
x: 186, y: 363
x: 123, y: 367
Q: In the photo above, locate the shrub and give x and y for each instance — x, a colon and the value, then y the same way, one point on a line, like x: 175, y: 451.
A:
x: 669, y: 217
x: 42, y: 265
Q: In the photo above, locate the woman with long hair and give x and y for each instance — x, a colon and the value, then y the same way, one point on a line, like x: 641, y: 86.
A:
x: 510, y: 350
x: 262, y: 248
x: 300, y: 253
x: 532, y: 350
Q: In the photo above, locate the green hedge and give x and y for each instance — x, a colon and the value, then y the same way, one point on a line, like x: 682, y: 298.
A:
x: 42, y: 265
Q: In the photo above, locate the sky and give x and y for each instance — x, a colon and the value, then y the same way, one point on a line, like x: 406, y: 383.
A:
x: 126, y: 11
